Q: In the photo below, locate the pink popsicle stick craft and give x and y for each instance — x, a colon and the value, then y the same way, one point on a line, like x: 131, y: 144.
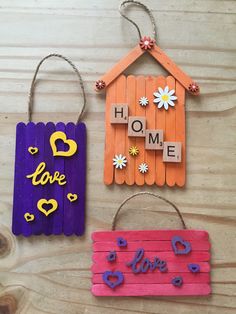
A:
x: 50, y: 173
x: 151, y: 262
x: 145, y: 140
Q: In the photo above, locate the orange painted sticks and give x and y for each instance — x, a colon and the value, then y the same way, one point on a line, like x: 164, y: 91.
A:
x: 170, y: 133
x: 151, y: 124
x: 110, y: 137
x: 180, y: 170
x: 122, y: 65
x: 140, y: 111
x: 172, y: 121
x: 171, y: 67
x: 120, y: 129
x: 160, y: 124
x: 130, y: 141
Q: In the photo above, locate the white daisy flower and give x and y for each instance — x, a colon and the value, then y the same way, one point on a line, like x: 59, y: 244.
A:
x: 143, y: 167
x: 164, y: 97
x: 119, y: 161
x: 143, y: 101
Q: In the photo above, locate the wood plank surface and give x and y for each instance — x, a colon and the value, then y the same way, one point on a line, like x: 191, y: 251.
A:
x: 152, y: 289
x: 130, y: 141
x: 160, y: 125
x: 141, y: 112
x: 42, y: 275
x: 170, y: 133
x: 172, y: 267
x: 150, y: 155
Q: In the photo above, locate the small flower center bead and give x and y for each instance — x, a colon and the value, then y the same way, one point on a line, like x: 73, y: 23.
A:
x: 165, y: 97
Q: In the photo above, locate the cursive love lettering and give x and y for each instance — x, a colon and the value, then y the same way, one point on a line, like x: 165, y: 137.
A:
x: 145, y: 263
x: 46, y: 177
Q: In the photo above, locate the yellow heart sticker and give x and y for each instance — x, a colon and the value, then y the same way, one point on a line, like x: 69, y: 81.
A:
x: 62, y: 136
x: 41, y: 203
x: 29, y: 217
x: 72, y: 197
x: 33, y: 150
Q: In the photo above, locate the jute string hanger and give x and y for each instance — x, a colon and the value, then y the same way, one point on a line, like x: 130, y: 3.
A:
x: 33, y: 83
x: 146, y: 9
x: 114, y: 220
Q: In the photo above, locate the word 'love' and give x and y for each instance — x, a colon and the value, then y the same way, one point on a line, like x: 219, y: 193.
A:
x: 46, y: 177
x: 146, y: 264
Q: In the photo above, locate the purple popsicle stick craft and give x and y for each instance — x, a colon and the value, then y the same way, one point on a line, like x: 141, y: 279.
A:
x: 50, y: 173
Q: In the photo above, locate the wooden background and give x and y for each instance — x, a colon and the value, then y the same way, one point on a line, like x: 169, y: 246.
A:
x: 52, y: 275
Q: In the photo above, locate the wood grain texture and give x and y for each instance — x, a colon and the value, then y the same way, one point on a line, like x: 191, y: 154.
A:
x: 52, y: 275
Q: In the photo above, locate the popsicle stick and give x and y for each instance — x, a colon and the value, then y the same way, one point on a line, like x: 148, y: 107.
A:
x: 37, y: 225
x: 171, y: 67
x: 151, y: 124
x: 109, y: 150
x: 141, y: 112
x: 123, y: 64
x: 180, y: 171
x: 80, y: 179
x: 28, y: 187
x: 130, y: 141
x: 200, y: 256
x: 157, y: 277
x: 155, y: 246
x: 170, y: 133
x: 151, y: 290
x: 59, y: 165
x: 160, y: 124
x: 49, y: 189
x: 137, y: 235
x: 72, y: 181
x: 120, y: 129
x: 172, y: 267
x: 18, y: 201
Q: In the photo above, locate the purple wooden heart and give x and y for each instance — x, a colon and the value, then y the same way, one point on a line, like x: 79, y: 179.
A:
x: 177, y: 281
x: 187, y: 246
x: 111, y: 257
x: 121, y: 242
x: 115, y: 274
x: 194, y: 268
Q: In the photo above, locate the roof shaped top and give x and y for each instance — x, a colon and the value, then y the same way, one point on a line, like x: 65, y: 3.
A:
x: 147, y: 44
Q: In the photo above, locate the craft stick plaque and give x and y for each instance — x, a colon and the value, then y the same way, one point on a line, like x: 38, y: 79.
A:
x: 50, y: 175
x: 151, y: 262
x: 155, y: 103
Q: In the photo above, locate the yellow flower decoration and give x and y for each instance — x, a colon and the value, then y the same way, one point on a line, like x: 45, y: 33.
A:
x: 133, y: 151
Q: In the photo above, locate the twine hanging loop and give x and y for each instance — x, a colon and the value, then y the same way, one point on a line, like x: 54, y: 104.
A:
x: 146, y: 9
x: 32, y: 87
x: 152, y: 194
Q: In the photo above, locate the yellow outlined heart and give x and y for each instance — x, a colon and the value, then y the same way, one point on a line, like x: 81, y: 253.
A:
x: 62, y: 136
x: 43, y: 201
x: 33, y: 150
x: 29, y: 217
x: 72, y: 197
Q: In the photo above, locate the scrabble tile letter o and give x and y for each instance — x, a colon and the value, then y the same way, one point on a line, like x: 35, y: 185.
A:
x: 137, y: 126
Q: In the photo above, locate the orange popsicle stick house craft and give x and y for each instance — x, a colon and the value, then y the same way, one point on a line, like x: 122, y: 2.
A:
x: 145, y: 121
